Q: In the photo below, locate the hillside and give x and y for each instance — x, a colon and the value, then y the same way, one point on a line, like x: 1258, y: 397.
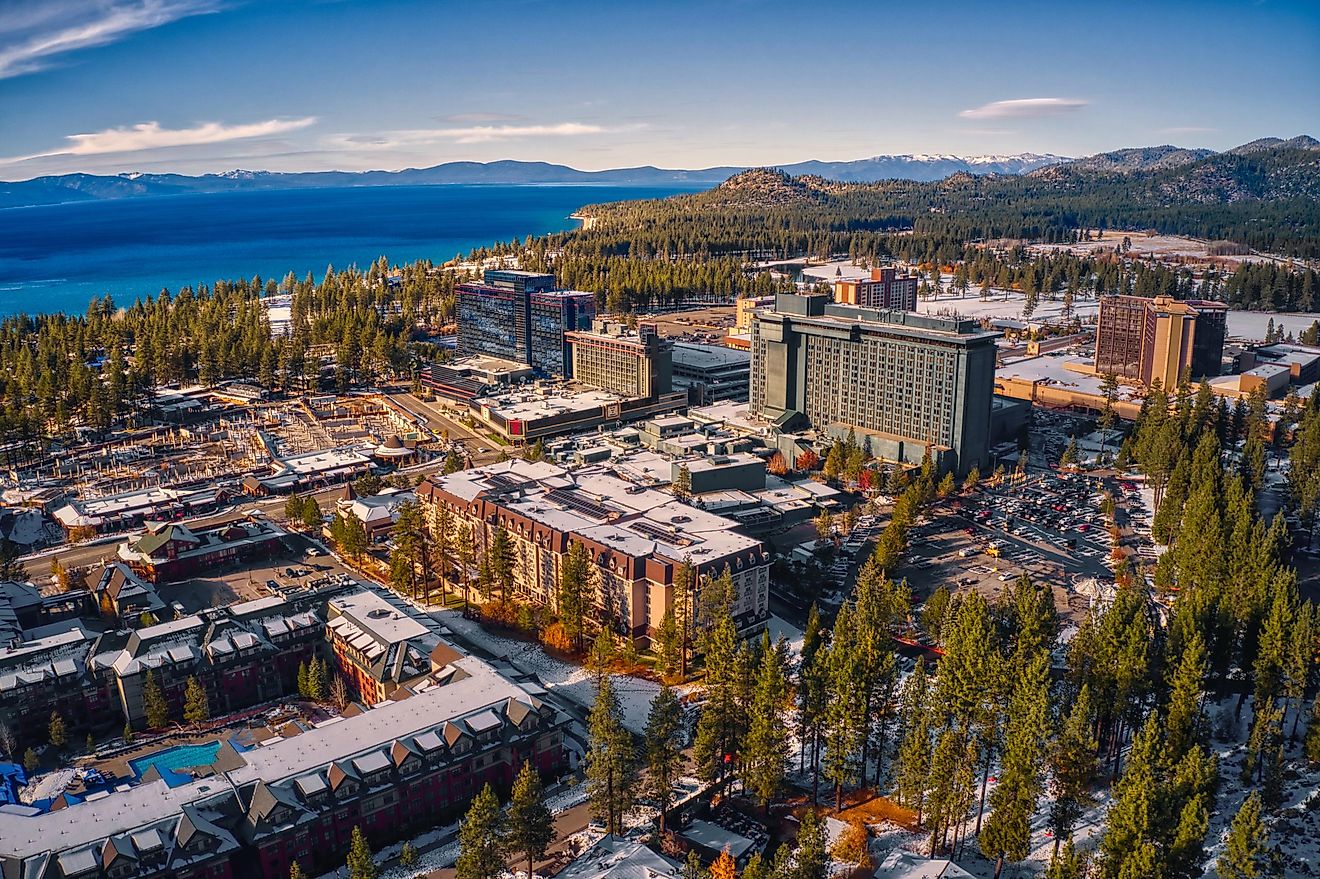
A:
x: 1138, y: 159
x: 1268, y: 198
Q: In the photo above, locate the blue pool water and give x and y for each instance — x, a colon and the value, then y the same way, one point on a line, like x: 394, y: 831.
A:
x: 170, y: 760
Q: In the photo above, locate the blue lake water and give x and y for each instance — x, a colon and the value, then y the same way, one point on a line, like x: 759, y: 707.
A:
x: 60, y: 257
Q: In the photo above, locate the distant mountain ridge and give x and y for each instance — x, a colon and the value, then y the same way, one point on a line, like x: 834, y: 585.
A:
x: 1217, y: 175
x: 87, y: 187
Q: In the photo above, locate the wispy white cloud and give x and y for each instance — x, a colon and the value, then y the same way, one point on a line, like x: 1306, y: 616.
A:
x: 34, y: 32
x: 384, y: 140
x: 477, y: 118
x: 151, y: 136
x: 1024, y: 108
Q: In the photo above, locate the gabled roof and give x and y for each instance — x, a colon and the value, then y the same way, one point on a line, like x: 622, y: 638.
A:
x: 158, y: 535
x: 115, y: 848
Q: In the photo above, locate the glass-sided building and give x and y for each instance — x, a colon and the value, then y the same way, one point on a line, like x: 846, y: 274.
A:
x: 519, y: 316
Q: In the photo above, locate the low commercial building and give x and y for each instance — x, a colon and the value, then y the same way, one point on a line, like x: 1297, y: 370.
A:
x: 376, y: 513
x: 167, y: 551
x: 711, y: 373
x: 1302, y: 361
x: 1271, y: 379
x: 739, y: 471
x: 117, y: 512
x: 1055, y: 382
x: 467, y: 378
x: 637, y: 537
x: 324, y: 467
x: 545, y: 410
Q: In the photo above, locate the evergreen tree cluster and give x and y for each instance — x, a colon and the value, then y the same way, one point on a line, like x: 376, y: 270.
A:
x: 60, y: 371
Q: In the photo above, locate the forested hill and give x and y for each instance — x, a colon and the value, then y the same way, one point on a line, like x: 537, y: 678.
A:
x: 1265, y: 194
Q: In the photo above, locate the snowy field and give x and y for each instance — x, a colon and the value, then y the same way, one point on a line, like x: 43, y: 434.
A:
x: 562, y: 678
x: 1007, y: 304
x: 1155, y: 247
x: 1004, y: 304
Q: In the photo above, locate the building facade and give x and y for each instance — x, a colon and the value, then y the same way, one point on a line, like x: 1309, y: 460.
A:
x: 711, y: 373
x: 377, y: 648
x: 409, y: 765
x: 244, y: 654
x: 885, y: 289
x: 167, y: 551
x: 636, y: 537
x: 520, y: 316
x: 908, y: 382
x: 1145, y: 340
x: 613, y: 358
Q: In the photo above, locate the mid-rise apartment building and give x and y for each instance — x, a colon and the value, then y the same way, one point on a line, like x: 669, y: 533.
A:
x: 636, y: 537
x: 1160, y: 339
x: 242, y: 655
x: 885, y: 288
x: 411, y: 764
x: 909, y: 382
x: 520, y: 316
x: 745, y: 311
x: 378, y: 648
x: 633, y: 364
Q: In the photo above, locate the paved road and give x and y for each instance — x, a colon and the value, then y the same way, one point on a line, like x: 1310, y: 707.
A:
x: 443, y: 422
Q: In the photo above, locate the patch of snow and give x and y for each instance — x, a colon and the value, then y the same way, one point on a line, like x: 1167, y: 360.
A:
x: 562, y: 678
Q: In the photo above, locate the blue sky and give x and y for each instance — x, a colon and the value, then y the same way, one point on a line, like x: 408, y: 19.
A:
x: 208, y: 85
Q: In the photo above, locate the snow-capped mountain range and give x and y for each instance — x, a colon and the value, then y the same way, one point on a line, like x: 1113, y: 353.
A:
x: 82, y: 187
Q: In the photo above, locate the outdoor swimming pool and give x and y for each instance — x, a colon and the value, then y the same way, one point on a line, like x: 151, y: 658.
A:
x: 170, y: 760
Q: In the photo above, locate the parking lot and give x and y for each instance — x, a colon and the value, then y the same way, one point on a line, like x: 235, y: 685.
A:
x: 1048, y: 526
x: 292, y: 572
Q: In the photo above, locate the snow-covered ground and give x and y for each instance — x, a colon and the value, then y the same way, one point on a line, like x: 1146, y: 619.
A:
x: 1004, y: 304
x: 1007, y: 304
x: 780, y: 628
x: 1156, y: 247
x: 562, y: 678
x: 47, y: 786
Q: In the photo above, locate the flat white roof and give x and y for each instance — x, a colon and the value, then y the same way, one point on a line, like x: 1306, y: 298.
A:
x: 529, y: 405
x: 699, y: 356
x: 377, y: 617
x: 720, y: 462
